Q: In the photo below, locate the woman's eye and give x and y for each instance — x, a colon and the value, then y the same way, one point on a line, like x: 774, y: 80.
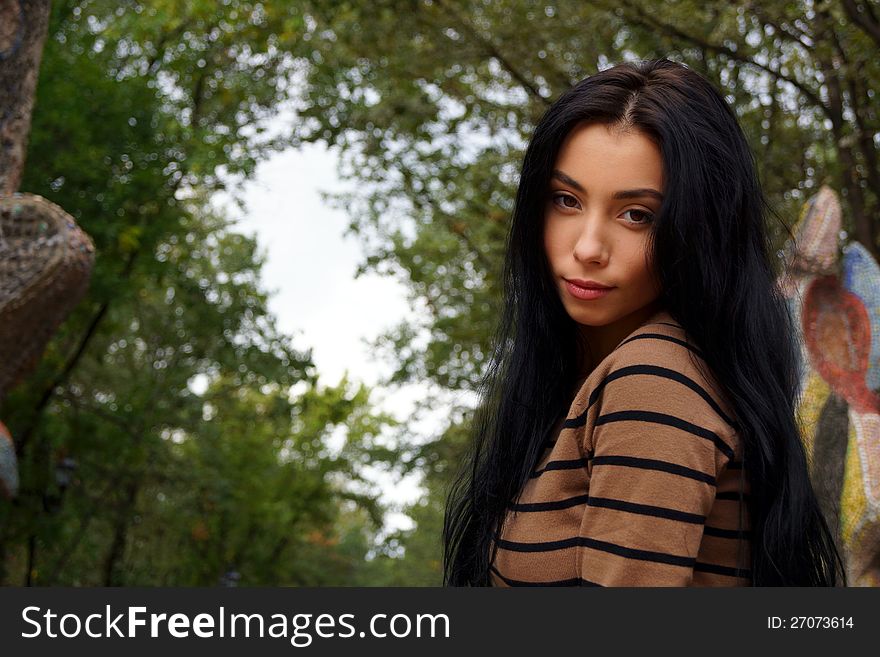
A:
x: 566, y: 201
x: 569, y: 202
x: 647, y: 217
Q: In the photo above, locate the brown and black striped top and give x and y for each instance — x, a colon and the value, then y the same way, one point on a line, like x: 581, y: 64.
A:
x: 642, y: 485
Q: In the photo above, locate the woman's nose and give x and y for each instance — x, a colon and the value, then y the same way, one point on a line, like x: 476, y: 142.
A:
x: 591, y: 242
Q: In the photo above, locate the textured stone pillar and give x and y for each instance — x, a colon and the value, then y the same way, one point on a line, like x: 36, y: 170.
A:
x: 23, y: 25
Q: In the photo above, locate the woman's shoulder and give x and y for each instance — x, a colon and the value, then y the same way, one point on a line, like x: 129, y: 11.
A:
x: 658, y: 374
x: 659, y: 340
x: 660, y: 344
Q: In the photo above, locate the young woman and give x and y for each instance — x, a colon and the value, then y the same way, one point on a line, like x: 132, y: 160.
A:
x: 637, y: 422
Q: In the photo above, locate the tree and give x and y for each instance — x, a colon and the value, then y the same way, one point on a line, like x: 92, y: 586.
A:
x: 130, y: 475
x: 22, y: 34
x: 436, y: 140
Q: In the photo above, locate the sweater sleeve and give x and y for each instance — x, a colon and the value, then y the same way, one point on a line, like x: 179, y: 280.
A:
x: 657, y: 448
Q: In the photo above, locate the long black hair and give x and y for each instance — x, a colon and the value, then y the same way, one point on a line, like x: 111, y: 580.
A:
x: 711, y: 250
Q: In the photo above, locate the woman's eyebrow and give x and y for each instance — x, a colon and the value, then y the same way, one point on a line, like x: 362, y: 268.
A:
x: 626, y: 193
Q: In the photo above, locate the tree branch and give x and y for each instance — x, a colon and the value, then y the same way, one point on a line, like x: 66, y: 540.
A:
x: 650, y: 22
x: 794, y: 34
x: 865, y: 230
x: 864, y: 19
x: 493, y: 51
x: 59, y: 378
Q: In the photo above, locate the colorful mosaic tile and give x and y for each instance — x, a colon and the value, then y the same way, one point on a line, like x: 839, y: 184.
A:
x: 860, y: 513
x: 816, y: 234
x: 837, y: 331
x: 8, y: 464
x: 793, y: 287
x: 867, y: 428
x: 814, y: 394
x: 861, y: 277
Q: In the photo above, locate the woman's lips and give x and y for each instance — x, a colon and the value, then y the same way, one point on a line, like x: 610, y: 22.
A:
x: 586, y: 293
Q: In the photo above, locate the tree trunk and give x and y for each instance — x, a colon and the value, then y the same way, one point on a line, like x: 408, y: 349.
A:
x: 120, y: 535
x: 23, y: 26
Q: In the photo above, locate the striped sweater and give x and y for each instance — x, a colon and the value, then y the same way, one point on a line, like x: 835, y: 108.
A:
x: 640, y: 485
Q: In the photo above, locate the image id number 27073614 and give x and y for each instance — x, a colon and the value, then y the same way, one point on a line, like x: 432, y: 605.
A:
x: 809, y: 622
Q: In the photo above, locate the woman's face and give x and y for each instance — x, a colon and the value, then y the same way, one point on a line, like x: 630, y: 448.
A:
x: 604, y: 193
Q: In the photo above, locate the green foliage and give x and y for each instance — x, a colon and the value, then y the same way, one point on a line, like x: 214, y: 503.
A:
x: 432, y: 102
x: 173, y: 485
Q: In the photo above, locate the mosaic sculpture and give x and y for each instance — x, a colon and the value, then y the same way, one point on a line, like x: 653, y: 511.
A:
x: 835, y: 301
x: 45, y: 265
x: 45, y: 258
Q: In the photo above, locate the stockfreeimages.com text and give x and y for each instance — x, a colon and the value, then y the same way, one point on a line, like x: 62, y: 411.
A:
x: 298, y: 628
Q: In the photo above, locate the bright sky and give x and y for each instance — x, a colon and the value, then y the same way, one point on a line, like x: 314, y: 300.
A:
x: 310, y: 267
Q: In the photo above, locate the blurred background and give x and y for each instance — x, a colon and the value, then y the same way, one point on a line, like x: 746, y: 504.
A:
x: 299, y: 210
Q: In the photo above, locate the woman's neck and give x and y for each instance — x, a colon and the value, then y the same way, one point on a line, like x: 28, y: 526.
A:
x: 602, y: 340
